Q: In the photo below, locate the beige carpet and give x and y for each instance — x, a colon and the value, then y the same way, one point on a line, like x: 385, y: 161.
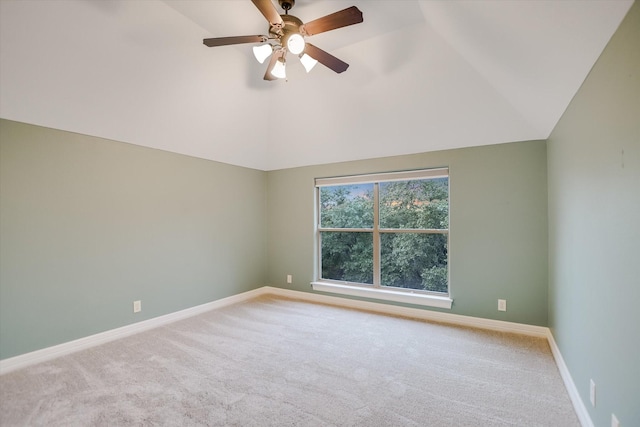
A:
x: 277, y: 362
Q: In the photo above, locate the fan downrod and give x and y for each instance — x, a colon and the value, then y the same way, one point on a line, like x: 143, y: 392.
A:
x: 287, y: 5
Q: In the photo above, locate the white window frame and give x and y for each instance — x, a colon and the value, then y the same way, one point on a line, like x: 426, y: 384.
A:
x: 376, y: 290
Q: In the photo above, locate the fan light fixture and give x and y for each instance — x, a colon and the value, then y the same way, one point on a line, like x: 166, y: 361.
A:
x: 287, y: 33
x: 295, y: 44
x: 279, y: 70
x: 262, y: 52
x: 308, y: 62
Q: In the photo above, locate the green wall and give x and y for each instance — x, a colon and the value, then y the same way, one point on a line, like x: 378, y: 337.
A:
x: 498, y: 236
x: 594, y: 230
x: 88, y: 225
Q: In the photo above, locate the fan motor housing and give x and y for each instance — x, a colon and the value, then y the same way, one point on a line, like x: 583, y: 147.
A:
x: 291, y: 25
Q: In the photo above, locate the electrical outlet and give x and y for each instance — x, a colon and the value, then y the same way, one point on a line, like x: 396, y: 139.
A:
x: 502, y: 305
x: 137, y: 306
x: 289, y: 278
x: 614, y: 421
x: 592, y: 392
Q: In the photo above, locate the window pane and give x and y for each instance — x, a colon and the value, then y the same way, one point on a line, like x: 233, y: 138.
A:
x: 347, y: 256
x: 414, y: 261
x: 417, y: 204
x: 346, y: 206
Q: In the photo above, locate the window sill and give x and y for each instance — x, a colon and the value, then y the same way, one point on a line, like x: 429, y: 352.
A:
x: 384, y: 294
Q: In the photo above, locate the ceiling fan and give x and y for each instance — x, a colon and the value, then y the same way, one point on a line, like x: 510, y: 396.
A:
x: 287, y: 34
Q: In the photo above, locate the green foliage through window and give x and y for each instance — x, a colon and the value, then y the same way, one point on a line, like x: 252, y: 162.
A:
x: 411, y: 236
x: 347, y: 257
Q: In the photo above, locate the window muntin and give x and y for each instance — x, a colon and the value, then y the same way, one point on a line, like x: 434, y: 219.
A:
x: 385, y: 230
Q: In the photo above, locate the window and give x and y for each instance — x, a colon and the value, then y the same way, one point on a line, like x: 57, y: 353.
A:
x: 385, y: 232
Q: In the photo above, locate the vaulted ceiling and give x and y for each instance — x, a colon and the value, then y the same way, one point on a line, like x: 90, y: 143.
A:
x: 423, y: 75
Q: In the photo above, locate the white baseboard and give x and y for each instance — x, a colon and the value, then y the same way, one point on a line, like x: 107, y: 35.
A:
x: 415, y: 313
x: 578, y: 404
x: 38, y: 356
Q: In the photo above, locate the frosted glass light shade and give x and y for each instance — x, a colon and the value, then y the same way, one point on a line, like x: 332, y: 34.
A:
x: 262, y: 52
x: 308, y: 62
x: 295, y: 44
x: 278, y: 70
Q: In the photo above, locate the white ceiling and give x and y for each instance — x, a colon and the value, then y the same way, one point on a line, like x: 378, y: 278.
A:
x: 423, y: 76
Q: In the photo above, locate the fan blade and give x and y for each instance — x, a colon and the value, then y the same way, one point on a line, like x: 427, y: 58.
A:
x: 349, y: 16
x: 224, y: 41
x: 269, y: 11
x: 276, y: 55
x: 325, y: 58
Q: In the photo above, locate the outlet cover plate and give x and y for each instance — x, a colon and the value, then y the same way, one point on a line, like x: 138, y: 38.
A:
x: 137, y: 306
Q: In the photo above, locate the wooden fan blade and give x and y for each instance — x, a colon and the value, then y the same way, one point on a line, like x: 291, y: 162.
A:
x: 224, y: 41
x: 269, y: 11
x: 349, y: 16
x: 325, y: 58
x: 276, y: 55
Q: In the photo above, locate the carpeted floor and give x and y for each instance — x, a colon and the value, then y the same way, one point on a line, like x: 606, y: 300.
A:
x: 278, y: 362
